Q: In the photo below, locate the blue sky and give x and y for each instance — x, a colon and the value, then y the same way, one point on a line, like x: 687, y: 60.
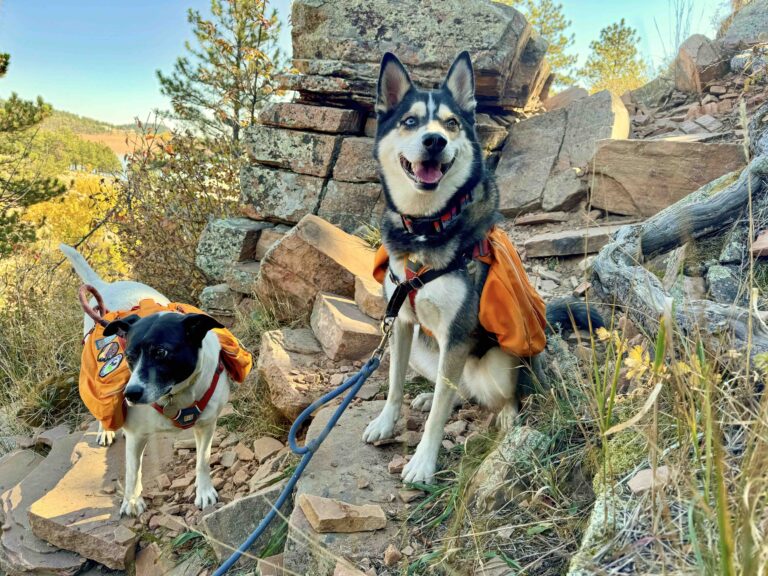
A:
x: 98, y: 57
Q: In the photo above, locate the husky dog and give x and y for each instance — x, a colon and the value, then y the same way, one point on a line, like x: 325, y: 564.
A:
x: 431, y: 165
x: 171, y: 356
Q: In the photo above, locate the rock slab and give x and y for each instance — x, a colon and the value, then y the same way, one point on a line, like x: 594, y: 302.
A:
x: 317, y: 118
x: 569, y: 242
x: 285, y: 354
x: 229, y: 526
x: 337, y: 47
x: 642, y: 177
x: 81, y: 513
x: 21, y: 552
x: 313, y: 257
x: 342, y: 329
x: 341, y: 464
x: 329, y: 515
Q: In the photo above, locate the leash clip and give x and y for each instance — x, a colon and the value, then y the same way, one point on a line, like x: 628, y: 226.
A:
x: 386, y: 332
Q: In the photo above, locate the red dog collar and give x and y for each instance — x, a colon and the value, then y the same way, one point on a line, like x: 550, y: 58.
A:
x: 187, y: 417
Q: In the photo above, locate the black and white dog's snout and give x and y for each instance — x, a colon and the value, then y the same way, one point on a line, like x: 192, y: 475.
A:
x: 133, y: 393
x: 434, y: 143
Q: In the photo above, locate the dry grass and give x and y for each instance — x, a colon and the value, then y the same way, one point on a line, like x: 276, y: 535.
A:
x: 40, y: 334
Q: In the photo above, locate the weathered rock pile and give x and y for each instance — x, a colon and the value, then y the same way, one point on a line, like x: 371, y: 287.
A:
x: 337, y: 47
x: 315, y: 155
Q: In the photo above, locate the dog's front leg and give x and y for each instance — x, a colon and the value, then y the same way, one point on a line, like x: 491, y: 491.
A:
x: 133, y: 503
x: 206, y: 494
x: 421, y: 468
x: 400, y: 350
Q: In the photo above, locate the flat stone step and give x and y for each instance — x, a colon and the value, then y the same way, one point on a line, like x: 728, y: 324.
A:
x: 81, y: 512
x: 342, y: 329
x: 15, y: 466
x: 341, y: 465
x: 570, y: 242
x: 21, y: 552
x: 369, y: 297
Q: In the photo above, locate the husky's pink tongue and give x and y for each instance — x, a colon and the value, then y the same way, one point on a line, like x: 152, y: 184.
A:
x: 429, y: 173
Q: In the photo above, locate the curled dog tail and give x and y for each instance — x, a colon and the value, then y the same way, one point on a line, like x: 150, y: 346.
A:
x: 568, y: 314
x: 87, y: 274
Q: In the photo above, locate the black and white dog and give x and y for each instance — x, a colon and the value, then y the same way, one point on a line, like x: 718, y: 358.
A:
x: 173, y: 360
x: 431, y: 164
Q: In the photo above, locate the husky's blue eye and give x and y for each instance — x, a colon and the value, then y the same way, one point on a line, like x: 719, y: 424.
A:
x: 410, y: 122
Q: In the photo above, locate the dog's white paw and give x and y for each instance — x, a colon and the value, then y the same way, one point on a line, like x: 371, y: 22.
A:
x: 132, y: 506
x: 105, y: 437
x: 381, y: 428
x: 205, y: 496
x: 423, y: 402
x: 507, y: 418
x: 420, y: 468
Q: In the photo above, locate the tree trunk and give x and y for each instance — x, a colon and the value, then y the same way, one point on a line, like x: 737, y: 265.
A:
x: 618, y: 276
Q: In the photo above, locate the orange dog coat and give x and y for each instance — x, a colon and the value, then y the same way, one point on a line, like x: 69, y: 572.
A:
x: 104, y: 371
x: 510, y: 307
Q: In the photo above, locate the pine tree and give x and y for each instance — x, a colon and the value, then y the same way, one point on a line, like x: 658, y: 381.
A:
x: 21, y: 186
x: 547, y: 19
x: 614, y: 63
x: 229, y: 74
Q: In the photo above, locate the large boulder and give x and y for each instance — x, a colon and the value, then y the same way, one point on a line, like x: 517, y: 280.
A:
x: 698, y: 62
x: 313, y: 257
x: 564, y: 98
x: 642, y: 177
x: 337, y: 47
x: 749, y: 26
x: 227, y: 241
x: 544, y: 155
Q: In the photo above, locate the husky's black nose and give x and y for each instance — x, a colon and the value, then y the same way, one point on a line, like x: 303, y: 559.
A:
x: 434, y: 142
x: 134, y: 393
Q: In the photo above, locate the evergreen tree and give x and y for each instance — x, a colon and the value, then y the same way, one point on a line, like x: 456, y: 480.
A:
x: 229, y: 74
x: 547, y: 19
x: 21, y: 185
x: 614, y: 63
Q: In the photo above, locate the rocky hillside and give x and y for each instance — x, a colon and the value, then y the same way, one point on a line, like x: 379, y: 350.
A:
x: 637, y: 450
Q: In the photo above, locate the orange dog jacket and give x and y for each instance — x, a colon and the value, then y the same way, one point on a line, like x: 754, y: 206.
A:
x: 510, y: 307
x: 104, y: 371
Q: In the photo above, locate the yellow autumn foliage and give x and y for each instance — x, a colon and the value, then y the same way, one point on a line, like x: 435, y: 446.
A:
x: 70, y: 217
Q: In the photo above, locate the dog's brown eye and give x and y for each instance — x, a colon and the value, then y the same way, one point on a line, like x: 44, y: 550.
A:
x: 410, y: 122
x: 452, y: 124
x: 159, y: 353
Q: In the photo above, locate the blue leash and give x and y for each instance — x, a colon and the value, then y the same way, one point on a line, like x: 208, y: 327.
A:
x: 353, y: 384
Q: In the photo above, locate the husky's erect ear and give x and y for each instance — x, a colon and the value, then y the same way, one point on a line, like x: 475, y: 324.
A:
x: 394, y: 84
x: 460, y: 82
x: 121, y: 326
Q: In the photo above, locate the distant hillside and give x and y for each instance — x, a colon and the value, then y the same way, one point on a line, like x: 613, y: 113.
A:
x: 61, y: 120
